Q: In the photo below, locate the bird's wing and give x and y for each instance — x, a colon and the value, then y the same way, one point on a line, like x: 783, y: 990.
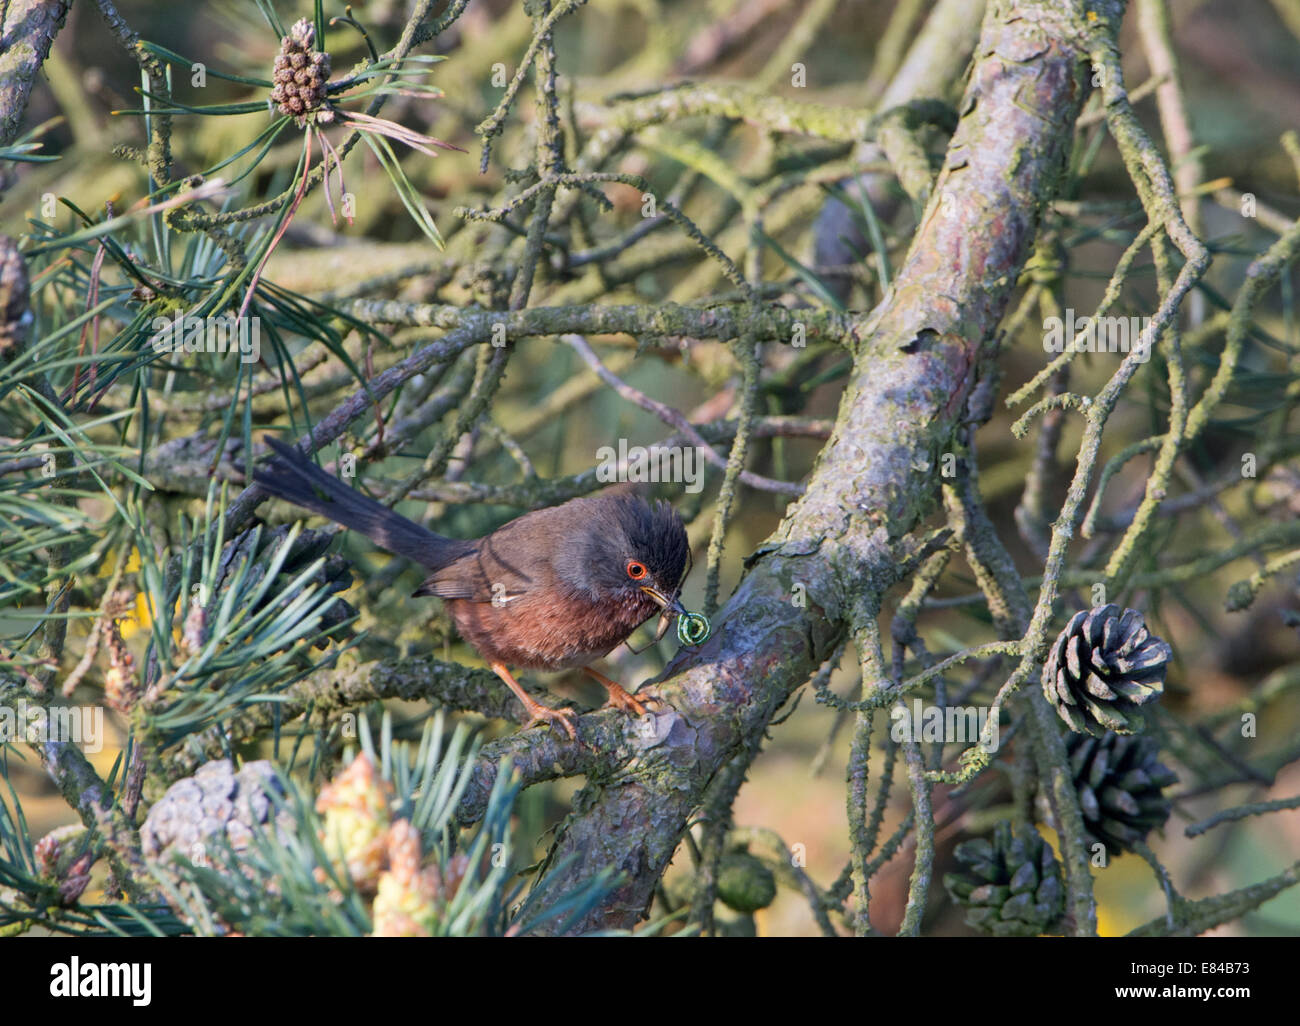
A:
x: 447, y: 589
x: 491, y: 573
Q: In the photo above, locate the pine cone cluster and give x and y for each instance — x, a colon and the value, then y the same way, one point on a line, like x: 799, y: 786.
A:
x: 1010, y: 885
x: 383, y: 856
x: 1120, y: 781
x: 301, y: 74
x: 121, y: 683
x: 411, y: 901
x: 1103, y: 667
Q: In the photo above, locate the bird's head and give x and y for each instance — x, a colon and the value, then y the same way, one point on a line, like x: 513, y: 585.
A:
x: 627, y: 552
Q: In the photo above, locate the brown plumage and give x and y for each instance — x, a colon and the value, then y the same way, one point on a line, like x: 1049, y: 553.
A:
x: 554, y: 589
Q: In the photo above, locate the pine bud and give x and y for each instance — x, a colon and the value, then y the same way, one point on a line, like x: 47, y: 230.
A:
x: 355, y: 808
x: 408, y: 897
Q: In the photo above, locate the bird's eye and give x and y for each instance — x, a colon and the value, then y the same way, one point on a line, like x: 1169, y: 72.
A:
x: 635, y: 570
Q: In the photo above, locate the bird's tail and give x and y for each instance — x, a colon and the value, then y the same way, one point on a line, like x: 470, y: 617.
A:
x: 291, y: 476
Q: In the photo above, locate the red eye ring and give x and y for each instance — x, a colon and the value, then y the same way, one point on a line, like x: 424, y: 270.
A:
x: 635, y: 570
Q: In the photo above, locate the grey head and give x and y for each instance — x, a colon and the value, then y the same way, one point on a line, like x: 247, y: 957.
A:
x: 623, y: 549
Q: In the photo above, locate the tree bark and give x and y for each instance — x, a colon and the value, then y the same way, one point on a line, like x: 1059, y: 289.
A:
x: 29, y: 30
x: 841, y: 544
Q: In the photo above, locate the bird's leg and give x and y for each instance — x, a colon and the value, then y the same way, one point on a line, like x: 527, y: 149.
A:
x: 537, y: 712
x: 618, y: 697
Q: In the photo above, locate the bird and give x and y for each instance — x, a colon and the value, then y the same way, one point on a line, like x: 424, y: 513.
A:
x: 554, y: 589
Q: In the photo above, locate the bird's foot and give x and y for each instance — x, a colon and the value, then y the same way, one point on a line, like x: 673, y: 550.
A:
x: 629, y: 703
x: 544, y: 714
x: 620, y: 697
x: 537, y: 713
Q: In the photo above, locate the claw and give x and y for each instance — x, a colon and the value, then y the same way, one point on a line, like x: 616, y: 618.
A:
x: 564, y: 717
x: 537, y: 712
x: 621, y: 698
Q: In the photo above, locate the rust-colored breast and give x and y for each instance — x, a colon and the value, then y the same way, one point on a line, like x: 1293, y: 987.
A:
x: 551, y: 632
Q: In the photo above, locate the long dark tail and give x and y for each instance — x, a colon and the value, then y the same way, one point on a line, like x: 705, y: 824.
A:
x: 291, y: 476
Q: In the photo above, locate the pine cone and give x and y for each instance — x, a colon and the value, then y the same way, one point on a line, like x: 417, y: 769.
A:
x: 301, y: 75
x: 215, y: 801
x: 1102, y: 667
x: 1010, y: 885
x: 1119, y: 780
x: 744, y: 883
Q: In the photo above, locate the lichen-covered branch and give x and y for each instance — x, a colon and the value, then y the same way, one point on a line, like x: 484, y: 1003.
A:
x: 28, y: 33
x: 913, y: 372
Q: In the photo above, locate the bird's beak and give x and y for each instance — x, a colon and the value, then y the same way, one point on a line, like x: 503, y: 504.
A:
x: 669, y: 605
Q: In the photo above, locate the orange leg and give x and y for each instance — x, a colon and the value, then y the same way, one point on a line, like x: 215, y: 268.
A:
x: 618, y: 697
x: 537, y: 712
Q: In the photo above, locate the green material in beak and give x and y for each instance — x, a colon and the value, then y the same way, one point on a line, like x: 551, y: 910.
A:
x: 693, y: 628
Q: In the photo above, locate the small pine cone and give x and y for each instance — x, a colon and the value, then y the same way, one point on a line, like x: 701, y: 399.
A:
x: 407, y: 898
x: 355, y: 807
x: 54, y: 852
x: 1010, y: 886
x: 1102, y: 668
x: 302, y: 36
x: 200, y: 815
x: 74, y: 883
x: 744, y: 883
x: 1120, y: 781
